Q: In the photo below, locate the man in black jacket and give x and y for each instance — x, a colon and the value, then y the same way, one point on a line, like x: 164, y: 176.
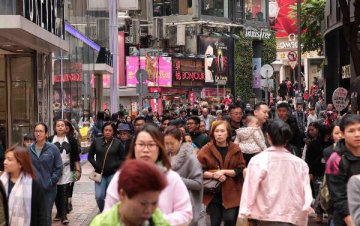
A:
x: 342, y: 164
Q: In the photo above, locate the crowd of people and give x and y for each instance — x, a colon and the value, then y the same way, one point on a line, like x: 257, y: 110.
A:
x: 192, y: 165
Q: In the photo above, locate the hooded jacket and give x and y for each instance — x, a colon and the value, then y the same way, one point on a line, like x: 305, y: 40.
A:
x: 188, y: 167
x: 341, y: 165
x: 251, y: 140
x: 48, y: 166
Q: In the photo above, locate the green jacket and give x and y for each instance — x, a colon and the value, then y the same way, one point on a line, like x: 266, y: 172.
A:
x: 111, y: 218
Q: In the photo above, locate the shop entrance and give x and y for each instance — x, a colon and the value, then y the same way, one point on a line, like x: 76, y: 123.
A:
x: 17, y: 98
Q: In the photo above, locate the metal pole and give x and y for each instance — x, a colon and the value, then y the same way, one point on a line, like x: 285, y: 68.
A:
x: 61, y: 83
x: 299, y: 42
x: 114, y: 96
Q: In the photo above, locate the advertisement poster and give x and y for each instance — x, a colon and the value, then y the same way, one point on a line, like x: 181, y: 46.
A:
x: 188, y: 72
x: 218, y: 62
x: 256, y: 62
x: 162, y: 77
x: 279, y: 16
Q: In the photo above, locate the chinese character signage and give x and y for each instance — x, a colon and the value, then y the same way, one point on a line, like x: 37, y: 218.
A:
x: 218, y: 61
x: 161, y: 77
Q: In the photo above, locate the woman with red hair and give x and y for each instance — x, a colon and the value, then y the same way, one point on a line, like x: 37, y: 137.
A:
x: 139, y: 189
x: 26, y: 199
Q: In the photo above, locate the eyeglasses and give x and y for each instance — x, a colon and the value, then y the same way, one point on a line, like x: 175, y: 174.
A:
x: 150, y: 147
x: 190, y: 123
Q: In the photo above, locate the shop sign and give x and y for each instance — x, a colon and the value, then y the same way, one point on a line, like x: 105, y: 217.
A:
x: 339, y: 99
x: 45, y: 13
x: 219, y: 58
x: 162, y: 76
x: 188, y: 70
x: 68, y: 78
x: 346, y: 71
x: 261, y: 34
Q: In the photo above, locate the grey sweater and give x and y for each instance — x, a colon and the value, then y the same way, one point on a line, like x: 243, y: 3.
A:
x: 353, y: 191
x: 188, y: 167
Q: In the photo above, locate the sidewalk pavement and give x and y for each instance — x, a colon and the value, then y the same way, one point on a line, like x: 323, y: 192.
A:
x: 83, y: 200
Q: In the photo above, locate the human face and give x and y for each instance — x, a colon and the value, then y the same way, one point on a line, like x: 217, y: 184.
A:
x: 188, y: 139
x: 139, y: 208
x: 128, y: 119
x: 27, y: 143
x: 262, y: 114
x: 165, y: 124
x: 236, y: 115
x: 205, y: 112
x: 172, y: 144
x: 330, y: 107
x: 11, y: 165
x: 146, y: 147
x: 299, y: 108
x: 60, y: 128
x: 336, y: 134
x: 352, y: 136
x: 202, y: 127
x: 313, y: 132
x: 40, y: 134
x: 139, y: 124
x: 192, y: 126
x: 282, y: 113
x: 183, y: 114
x: 123, y: 135
x: 221, y: 134
x: 219, y: 117
x: 108, y: 132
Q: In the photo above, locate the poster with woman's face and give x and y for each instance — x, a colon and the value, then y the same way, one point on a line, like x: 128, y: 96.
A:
x: 218, y: 57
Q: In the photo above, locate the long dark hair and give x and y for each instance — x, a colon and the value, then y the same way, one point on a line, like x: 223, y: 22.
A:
x: 279, y: 132
x: 158, y: 137
x: 22, y: 155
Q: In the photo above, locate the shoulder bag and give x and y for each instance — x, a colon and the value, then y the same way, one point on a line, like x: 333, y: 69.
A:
x: 212, y: 186
x: 97, y: 177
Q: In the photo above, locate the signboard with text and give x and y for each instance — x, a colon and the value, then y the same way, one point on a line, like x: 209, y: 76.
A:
x: 339, y: 99
x: 188, y: 72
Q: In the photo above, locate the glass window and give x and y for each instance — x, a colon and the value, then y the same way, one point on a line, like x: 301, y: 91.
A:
x: 255, y: 10
x: 219, y: 8
x: 171, y: 7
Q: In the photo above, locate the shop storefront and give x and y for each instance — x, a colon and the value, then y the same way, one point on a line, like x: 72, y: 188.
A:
x: 27, y: 39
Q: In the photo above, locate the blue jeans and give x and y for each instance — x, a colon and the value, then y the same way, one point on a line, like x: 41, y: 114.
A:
x: 50, y: 196
x: 100, y: 191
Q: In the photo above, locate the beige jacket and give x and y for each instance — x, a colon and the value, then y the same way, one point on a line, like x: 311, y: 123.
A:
x: 251, y: 140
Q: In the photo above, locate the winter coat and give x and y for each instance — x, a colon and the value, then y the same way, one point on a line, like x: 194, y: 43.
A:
x: 48, y: 166
x: 4, y: 209
x: 111, y: 217
x: 251, y: 140
x: 114, y: 158
x: 341, y: 165
x: 199, y: 139
x: 353, y: 190
x: 188, y: 167
x: 232, y: 186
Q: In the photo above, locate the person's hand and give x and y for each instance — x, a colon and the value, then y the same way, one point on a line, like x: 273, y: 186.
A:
x: 244, y: 172
x: 77, y: 175
x: 219, y: 175
x: 348, y: 221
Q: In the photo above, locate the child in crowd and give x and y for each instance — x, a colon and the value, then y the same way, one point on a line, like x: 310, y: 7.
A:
x: 28, y: 140
x: 251, y: 139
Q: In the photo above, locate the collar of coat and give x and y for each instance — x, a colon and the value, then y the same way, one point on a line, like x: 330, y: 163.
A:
x: 184, y: 153
x: 232, y: 150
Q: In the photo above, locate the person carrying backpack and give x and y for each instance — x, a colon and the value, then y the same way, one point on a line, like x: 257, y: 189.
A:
x: 342, y: 164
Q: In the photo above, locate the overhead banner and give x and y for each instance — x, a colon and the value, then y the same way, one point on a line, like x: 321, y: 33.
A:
x: 219, y: 58
x: 162, y: 77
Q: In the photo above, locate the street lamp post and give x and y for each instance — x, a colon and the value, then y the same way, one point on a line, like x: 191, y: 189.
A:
x: 277, y: 64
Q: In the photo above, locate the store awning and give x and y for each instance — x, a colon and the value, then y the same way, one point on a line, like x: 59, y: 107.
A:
x: 98, y: 68
x: 22, y: 33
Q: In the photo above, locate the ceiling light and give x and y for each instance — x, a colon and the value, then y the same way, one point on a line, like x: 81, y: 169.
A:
x: 19, y: 50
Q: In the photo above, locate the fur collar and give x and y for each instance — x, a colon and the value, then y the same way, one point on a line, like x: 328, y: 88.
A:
x: 184, y: 153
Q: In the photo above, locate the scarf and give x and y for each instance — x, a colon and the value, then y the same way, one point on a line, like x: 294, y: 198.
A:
x: 19, y: 200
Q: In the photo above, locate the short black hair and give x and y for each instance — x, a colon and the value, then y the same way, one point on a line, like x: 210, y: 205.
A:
x: 113, y: 126
x: 283, y: 105
x: 139, y: 118
x: 29, y: 136
x: 234, y: 106
x: 182, y: 110
x: 279, y: 132
x: 258, y: 105
x: 348, y: 120
x: 196, y: 119
x: 165, y: 118
x: 46, y: 129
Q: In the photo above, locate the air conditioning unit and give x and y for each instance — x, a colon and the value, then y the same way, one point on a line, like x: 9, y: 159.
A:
x: 159, y: 28
x: 176, y: 35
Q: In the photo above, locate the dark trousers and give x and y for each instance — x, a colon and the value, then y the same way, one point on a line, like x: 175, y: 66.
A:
x: 218, y: 213
x: 70, y: 190
x: 61, y: 201
x: 247, y: 158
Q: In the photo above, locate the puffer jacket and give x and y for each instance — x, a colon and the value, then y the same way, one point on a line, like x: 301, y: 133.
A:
x: 251, y: 140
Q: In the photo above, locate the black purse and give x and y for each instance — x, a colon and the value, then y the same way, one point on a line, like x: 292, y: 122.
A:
x: 212, y: 186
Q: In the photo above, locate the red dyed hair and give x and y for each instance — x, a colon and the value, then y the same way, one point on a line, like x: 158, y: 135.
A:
x: 22, y: 155
x: 138, y: 176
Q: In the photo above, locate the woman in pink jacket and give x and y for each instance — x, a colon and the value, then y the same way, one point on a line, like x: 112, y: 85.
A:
x: 277, y: 191
x: 174, y: 200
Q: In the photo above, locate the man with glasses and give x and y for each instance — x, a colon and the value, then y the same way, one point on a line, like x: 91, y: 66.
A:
x: 139, y: 122
x: 193, y: 126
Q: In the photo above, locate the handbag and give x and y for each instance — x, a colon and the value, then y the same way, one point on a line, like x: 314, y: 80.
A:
x: 97, y: 177
x: 210, y: 185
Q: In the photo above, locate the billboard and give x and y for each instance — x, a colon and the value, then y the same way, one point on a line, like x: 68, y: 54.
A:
x: 219, y: 58
x: 162, y: 77
x: 279, y: 16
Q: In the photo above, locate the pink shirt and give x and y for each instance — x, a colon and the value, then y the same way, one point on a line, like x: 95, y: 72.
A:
x: 277, y: 188
x: 174, y: 200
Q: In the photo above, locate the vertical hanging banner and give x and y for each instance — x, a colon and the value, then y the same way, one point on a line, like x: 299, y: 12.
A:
x: 256, y: 63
